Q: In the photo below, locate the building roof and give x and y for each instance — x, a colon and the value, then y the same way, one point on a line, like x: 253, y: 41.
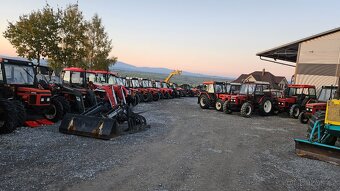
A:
x: 241, y: 78
x: 288, y: 52
x: 262, y: 76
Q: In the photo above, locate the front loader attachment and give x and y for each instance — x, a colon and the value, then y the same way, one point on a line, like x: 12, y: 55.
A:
x: 90, y: 126
x: 319, y: 151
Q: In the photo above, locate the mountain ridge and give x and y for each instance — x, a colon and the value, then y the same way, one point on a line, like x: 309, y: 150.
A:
x: 159, y: 70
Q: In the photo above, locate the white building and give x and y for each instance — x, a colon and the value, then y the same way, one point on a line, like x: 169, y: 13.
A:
x: 316, y: 58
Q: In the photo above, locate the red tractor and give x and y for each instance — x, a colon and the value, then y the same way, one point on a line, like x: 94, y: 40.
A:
x: 327, y: 93
x: 18, y: 84
x: 75, y: 79
x: 253, y: 96
x: 189, y: 91
x: 165, y: 92
x: 295, y: 98
x: 154, y: 92
x: 144, y: 93
x: 214, y: 94
x: 101, y: 77
x: 180, y: 92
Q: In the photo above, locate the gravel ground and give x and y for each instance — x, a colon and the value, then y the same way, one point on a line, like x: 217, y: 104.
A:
x: 186, y: 148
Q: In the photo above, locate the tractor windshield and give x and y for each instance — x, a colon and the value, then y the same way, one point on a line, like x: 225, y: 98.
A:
x: 119, y: 81
x: 150, y: 83
x: 91, y: 77
x: 247, y: 88
x: 326, y: 94
x: 19, y: 74
x: 219, y: 88
x: 158, y: 85
x: 123, y: 81
x: 135, y: 83
x: 145, y: 83
x: 113, y: 80
x: 100, y: 78
x: 164, y: 85
x: 77, y: 78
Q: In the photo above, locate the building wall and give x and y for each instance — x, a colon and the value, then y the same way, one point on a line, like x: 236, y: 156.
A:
x: 318, y: 61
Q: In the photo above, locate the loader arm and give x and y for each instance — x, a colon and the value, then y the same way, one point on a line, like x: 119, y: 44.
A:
x: 175, y: 72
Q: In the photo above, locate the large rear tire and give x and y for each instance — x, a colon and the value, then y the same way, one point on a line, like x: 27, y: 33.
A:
x: 21, y: 112
x: 219, y: 105
x: 226, y: 107
x: 294, y: 111
x: 204, y: 101
x: 266, y: 106
x: 247, y: 110
x: 8, y: 116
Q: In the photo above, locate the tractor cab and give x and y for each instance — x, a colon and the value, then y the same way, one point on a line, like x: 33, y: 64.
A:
x: 217, y: 93
x: 295, y: 98
x: 252, y: 96
x: 327, y: 93
x: 18, y: 81
x: 189, y: 90
x: 74, y: 77
x: 165, y: 92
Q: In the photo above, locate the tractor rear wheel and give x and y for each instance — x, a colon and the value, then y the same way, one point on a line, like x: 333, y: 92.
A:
x: 219, y: 105
x: 294, y: 111
x: 8, y: 116
x: 55, y: 111
x: 303, y: 117
x: 266, y: 106
x: 247, y: 110
x: 204, y: 102
x: 226, y: 107
x: 21, y: 112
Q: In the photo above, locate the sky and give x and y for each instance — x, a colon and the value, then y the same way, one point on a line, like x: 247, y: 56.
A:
x: 216, y: 37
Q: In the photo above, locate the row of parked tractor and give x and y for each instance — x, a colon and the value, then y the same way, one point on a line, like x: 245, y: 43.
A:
x: 89, y: 103
x: 299, y: 101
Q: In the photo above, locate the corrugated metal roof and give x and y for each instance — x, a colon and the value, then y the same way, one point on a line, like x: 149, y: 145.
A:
x: 288, y: 52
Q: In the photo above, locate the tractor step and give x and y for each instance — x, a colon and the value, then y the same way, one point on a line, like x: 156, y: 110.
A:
x: 37, y: 123
x: 318, y: 151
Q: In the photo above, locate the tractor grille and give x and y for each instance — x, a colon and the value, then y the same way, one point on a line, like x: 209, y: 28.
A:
x: 33, y: 99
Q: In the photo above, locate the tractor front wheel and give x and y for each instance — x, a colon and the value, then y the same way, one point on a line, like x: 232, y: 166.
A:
x: 66, y: 104
x: 226, y: 107
x: 294, y: 111
x: 8, y: 116
x: 303, y: 117
x: 247, y: 110
x: 219, y: 105
x: 204, y: 102
x: 55, y: 111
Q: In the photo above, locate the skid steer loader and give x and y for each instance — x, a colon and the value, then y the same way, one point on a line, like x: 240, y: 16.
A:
x: 106, y: 120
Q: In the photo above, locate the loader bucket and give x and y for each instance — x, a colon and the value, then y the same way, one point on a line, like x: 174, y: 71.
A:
x: 318, y: 151
x: 89, y: 126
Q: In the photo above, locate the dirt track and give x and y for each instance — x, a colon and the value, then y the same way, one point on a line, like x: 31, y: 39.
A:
x: 187, y: 148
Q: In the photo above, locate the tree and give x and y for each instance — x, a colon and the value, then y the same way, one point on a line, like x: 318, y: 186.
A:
x: 99, y: 45
x: 35, y: 35
x: 73, y: 39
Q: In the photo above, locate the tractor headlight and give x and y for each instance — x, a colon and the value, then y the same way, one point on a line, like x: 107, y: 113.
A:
x: 42, y: 99
x: 84, y: 96
x: 78, y: 98
x: 48, y: 99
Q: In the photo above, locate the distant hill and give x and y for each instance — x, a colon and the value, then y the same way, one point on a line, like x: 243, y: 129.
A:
x: 121, y: 66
